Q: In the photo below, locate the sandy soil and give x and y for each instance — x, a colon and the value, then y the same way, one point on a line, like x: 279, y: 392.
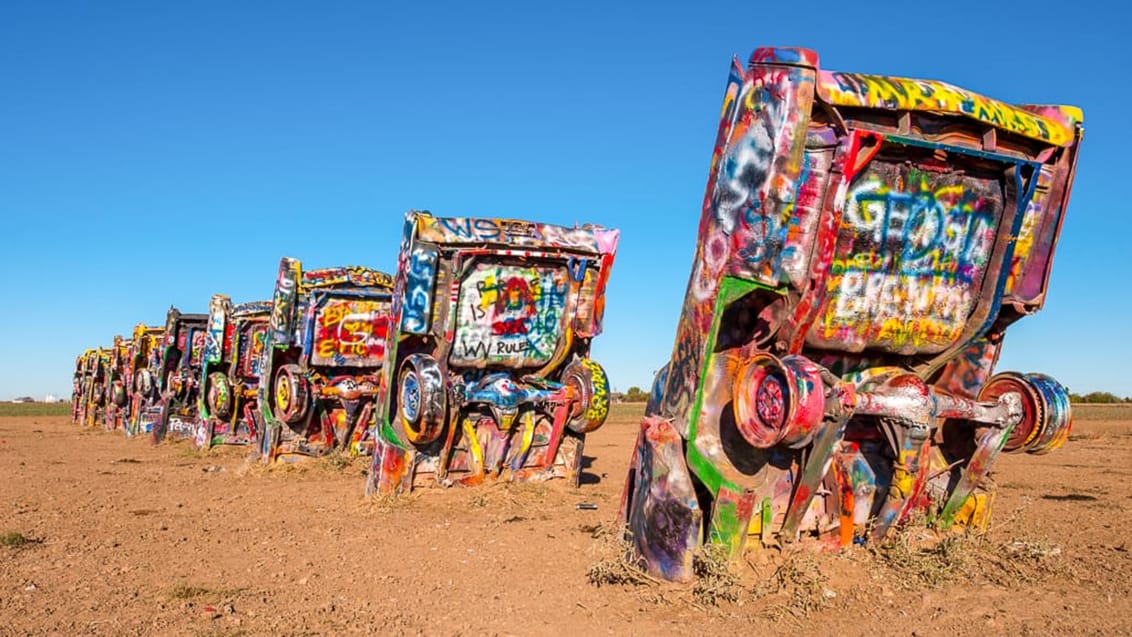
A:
x: 123, y: 538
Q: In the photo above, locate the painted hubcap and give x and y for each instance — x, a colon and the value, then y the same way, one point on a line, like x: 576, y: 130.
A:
x: 770, y: 403
x: 411, y: 397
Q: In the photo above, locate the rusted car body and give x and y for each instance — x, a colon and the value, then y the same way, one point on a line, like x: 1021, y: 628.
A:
x: 117, y: 394
x: 86, y: 406
x: 232, y: 356
x: 864, y: 243
x: 143, y: 376
x: 94, y: 394
x: 489, y: 373
x: 173, y: 411
x: 78, y: 385
x: 322, y: 359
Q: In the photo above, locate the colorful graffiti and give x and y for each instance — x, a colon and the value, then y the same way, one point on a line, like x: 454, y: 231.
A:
x: 319, y: 363
x: 1035, y: 241
x: 144, y: 370
x: 283, y: 302
x: 850, y: 289
x: 504, y: 387
x: 966, y: 374
x: 226, y: 402
x: 196, y: 350
x: 350, y: 332
x: 78, y: 381
x: 88, y: 409
x: 171, y: 407
x: 218, y: 310
x: 878, y: 91
x: 911, y: 256
x: 416, y: 302
x: 832, y: 375
x: 350, y: 275
x: 117, y: 412
x: 251, y: 347
x: 757, y: 211
x: 510, y: 315
x: 513, y: 232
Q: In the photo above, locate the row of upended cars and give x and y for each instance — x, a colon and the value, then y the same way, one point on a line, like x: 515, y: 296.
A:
x: 864, y: 242
x: 471, y: 362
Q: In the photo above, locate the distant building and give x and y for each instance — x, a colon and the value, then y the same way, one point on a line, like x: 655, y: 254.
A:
x: 23, y: 399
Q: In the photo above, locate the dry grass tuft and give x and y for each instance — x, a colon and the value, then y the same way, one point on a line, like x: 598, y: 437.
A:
x: 796, y: 588
x: 386, y: 503
x: 15, y: 539
x: 617, y: 562
x: 969, y: 557
x: 931, y: 564
x: 510, y: 497
x: 186, y: 591
x: 332, y: 463
x: 603, y: 530
x: 715, y: 582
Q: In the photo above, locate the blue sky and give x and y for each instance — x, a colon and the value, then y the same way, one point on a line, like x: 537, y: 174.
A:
x: 156, y: 153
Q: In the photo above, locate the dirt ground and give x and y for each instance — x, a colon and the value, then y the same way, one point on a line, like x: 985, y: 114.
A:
x: 107, y: 536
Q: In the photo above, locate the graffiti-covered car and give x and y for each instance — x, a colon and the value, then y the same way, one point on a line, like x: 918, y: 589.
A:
x: 864, y: 243
x: 230, y: 372
x: 489, y: 372
x: 322, y: 359
x: 93, y: 409
x: 143, y: 376
x: 87, y: 393
x: 117, y: 409
x: 173, y: 411
x: 78, y: 385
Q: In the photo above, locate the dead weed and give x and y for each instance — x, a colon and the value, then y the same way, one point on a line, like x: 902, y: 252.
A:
x: 184, y: 591
x: 330, y: 463
x: 715, y: 581
x: 968, y: 557
x: 387, y: 503
x: 17, y: 540
x: 617, y: 562
x: 796, y: 588
x: 510, y: 496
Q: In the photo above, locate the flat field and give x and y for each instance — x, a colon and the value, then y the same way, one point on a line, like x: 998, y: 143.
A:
x: 102, y: 535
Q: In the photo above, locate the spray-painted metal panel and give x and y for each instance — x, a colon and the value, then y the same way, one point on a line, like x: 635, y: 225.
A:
x: 864, y: 243
x: 227, y: 402
x: 144, y: 376
x: 350, y: 332
x: 510, y: 315
x: 320, y: 362
x: 489, y: 374
x: 170, y: 409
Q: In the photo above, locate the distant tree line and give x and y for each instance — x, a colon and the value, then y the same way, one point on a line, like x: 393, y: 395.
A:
x: 1099, y: 397
x: 635, y: 395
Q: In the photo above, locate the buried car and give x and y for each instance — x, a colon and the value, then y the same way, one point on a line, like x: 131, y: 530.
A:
x: 172, y: 409
x: 93, y: 410
x: 489, y: 372
x: 322, y: 360
x: 230, y: 372
x: 142, y: 374
x: 117, y: 410
x: 79, y: 381
x: 89, y: 409
x: 864, y: 243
